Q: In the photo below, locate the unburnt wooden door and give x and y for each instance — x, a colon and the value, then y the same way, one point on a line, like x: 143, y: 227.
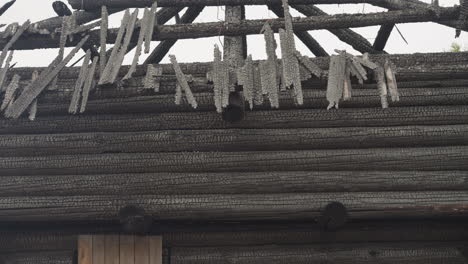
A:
x: 119, y: 249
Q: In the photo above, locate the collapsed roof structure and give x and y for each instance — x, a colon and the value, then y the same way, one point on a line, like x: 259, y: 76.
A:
x: 333, y: 159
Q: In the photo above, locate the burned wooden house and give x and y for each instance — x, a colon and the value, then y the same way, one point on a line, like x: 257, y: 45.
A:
x: 333, y: 159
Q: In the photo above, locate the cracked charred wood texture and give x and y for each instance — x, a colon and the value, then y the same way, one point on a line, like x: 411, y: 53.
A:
x: 135, y: 101
x: 348, y: 36
x: 242, y: 207
x: 62, y: 237
x: 91, y: 4
x: 233, y: 183
x: 163, y: 48
x: 382, y: 36
x: 6, y: 6
x: 249, y: 27
x: 305, y: 37
x: 233, y: 140
x: 333, y: 253
x: 301, y: 118
x: 400, y: 159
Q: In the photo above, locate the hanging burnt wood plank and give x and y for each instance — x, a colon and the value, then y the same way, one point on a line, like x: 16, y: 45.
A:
x: 77, y: 94
x: 305, y: 37
x: 162, y: 17
x: 33, y: 107
x: 220, y: 81
x: 233, y: 183
x: 148, y: 31
x: 212, y: 140
x: 153, y: 73
x: 233, y: 54
x: 306, y: 118
x: 423, y: 159
x: 336, y: 80
x: 10, y: 92
x: 182, y: 81
x: 88, y: 85
x: 392, y: 85
x: 249, y: 27
x: 90, y: 5
x: 163, y: 48
x: 348, y: 36
x: 106, y: 75
x: 31, y: 92
x: 103, y: 39
x: 12, y: 41
x: 4, y: 70
x: 383, y: 36
x: 139, y: 46
x: 285, y: 206
x: 6, y: 6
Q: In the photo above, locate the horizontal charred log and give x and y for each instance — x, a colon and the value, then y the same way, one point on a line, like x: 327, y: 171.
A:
x: 398, y: 159
x: 138, y: 100
x: 61, y: 237
x: 252, y: 27
x: 287, y: 206
x: 232, y: 140
x: 308, y: 118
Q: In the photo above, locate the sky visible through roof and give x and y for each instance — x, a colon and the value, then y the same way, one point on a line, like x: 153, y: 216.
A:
x: 421, y: 37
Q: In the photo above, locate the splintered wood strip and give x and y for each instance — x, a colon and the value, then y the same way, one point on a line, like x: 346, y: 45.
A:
x: 84, y: 28
x: 99, y: 254
x: 65, y: 30
x: 152, y: 22
x: 153, y: 72
x: 141, y: 37
x: 4, y: 70
x: 347, y: 87
x: 391, y: 81
x: 85, y: 249
x: 361, y: 73
x: 111, y: 248
x: 106, y: 74
x: 291, y: 72
x: 103, y: 39
x: 381, y: 86
x: 272, y: 59
x: 13, y: 39
x: 73, y: 108
x: 309, y: 65
x: 36, y: 87
x: 33, y: 107
x: 220, y: 81
x: 10, y: 92
x: 336, y: 80
x: 127, y: 249
x: 142, y: 250
x: 364, y: 60
x: 178, y: 94
x: 117, y: 63
x: 257, y: 85
x: 88, y: 85
x: 246, y: 79
x: 182, y: 81
x: 155, y: 250
x: 268, y: 79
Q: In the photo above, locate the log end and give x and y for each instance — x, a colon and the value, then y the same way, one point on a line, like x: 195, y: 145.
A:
x: 134, y: 220
x: 333, y: 217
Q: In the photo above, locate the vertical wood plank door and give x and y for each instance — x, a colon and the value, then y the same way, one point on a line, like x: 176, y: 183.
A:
x: 119, y: 249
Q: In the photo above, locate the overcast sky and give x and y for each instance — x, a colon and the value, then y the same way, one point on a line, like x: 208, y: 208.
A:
x: 421, y: 37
